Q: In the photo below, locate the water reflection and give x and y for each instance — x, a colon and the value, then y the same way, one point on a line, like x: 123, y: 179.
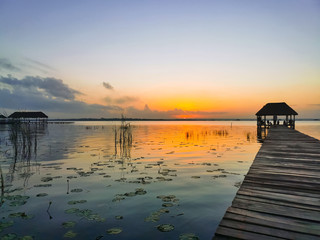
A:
x: 261, y: 134
x: 165, y: 176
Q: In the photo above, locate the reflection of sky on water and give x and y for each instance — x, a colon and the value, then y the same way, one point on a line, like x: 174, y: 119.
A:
x: 201, y: 165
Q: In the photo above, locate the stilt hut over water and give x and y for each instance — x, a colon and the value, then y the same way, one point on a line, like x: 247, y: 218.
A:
x: 31, y: 117
x: 275, y: 110
x: 3, y: 119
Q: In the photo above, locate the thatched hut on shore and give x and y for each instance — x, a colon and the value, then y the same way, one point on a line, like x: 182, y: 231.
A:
x: 275, y: 110
x: 34, y: 117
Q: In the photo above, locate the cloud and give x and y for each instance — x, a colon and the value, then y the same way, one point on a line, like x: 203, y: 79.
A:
x: 121, y: 100
x: 23, y: 96
x: 5, y: 64
x: 107, y: 85
x: 31, y: 64
x: 51, y: 87
x: 175, y: 113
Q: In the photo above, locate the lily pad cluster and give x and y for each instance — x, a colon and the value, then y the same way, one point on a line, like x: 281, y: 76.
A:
x: 138, y: 191
x: 85, y: 213
x: 17, y: 200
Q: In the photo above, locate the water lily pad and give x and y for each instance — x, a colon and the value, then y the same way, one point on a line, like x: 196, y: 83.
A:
x: 9, y: 236
x: 165, y: 227
x: 188, y: 236
x: 17, y: 200
x: 155, y: 216
x: 42, y: 194
x: 5, y: 225
x: 167, y: 205
x: 69, y: 224
x: 46, y: 179
x: 26, y: 238
x: 70, y: 234
x: 72, y: 210
x: 43, y: 185
x: 114, y: 230
x: 22, y: 215
x: 76, y: 190
x: 76, y: 202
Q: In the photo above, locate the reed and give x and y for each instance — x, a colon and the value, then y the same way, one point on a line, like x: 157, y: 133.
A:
x: 123, y: 138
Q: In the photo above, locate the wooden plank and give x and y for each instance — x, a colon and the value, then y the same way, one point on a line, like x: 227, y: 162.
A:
x: 312, y: 201
x: 253, y: 227
x: 240, y: 234
x: 300, y: 192
x: 277, y: 209
x: 291, y: 224
x: 280, y: 195
x: 277, y: 202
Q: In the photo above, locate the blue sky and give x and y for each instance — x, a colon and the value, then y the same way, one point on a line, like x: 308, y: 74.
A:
x: 163, y: 58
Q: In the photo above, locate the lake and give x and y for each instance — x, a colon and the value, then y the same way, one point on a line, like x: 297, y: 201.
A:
x: 173, y: 180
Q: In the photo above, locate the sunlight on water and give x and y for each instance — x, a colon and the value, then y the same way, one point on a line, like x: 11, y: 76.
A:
x: 75, y: 181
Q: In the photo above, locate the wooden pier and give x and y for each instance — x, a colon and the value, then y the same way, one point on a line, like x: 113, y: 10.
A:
x: 280, y: 196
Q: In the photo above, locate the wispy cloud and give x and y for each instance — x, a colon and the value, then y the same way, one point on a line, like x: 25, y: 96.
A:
x: 107, y: 85
x: 121, y: 100
x: 50, y: 86
x: 175, y: 113
x: 40, y: 65
x: 5, y: 64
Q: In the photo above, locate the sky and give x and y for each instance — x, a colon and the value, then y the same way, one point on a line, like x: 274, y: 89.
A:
x: 159, y: 59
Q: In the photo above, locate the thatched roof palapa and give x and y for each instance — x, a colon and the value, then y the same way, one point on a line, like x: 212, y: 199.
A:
x: 28, y: 115
x: 271, y: 109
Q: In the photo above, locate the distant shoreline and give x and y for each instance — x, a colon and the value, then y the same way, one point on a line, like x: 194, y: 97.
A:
x: 163, y: 120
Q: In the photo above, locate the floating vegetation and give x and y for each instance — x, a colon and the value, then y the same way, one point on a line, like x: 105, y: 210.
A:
x: 76, y: 190
x: 74, y: 202
x: 188, y: 236
x: 17, y: 200
x: 118, y: 217
x: 9, y: 236
x: 167, y: 205
x: 168, y: 198
x: 195, y: 177
x: 155, y: 216
x: 46, y: 179
x: 42, y: 194
x: 85, y: 213
x: 165, y: 227
x: 22, y: 215
x: 69, y: 224
x: 114, y: 231
x: 4, y: 225
x: 70, y: 234
x: 138, y: 191
x: 43, y: 185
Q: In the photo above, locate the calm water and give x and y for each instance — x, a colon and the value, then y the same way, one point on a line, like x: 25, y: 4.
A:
x: 73, y: 181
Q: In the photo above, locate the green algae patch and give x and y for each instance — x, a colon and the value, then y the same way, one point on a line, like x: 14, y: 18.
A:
x: 114, y: 231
